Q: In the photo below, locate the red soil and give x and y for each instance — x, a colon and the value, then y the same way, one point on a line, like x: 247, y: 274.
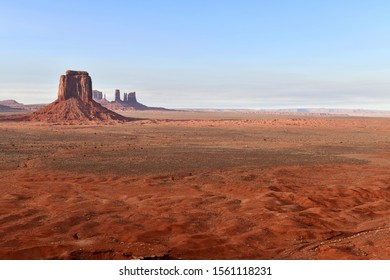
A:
x: 272, y: 188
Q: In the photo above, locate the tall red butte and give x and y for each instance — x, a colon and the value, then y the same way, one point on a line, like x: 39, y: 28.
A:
x: 75, y: 84
x: 75, y: 103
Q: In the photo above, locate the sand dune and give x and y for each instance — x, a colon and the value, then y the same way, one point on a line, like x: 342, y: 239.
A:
x: 266, y: 188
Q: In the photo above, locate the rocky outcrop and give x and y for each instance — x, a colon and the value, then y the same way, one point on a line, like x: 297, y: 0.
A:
x: 76, y: 84
x: 129, y: 102
x: 97, y: 95
x: 75, y: 102
x: 131, y: 97
x: 127, y: 97
x: 117, y: 95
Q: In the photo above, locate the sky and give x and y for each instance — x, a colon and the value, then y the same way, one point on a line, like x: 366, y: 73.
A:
x: 259, y: 54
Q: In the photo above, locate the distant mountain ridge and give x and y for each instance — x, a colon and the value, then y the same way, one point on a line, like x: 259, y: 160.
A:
x: 4, y: 108
x: 13, y: 104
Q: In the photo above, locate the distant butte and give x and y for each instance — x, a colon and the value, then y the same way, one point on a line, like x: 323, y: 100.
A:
x: 129, y: 102
x: 75, y: 102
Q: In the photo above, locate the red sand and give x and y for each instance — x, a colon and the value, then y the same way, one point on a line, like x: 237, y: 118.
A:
x: 266, y: 188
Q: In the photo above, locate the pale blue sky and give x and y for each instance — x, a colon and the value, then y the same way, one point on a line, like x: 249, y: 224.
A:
x: 202, y: 54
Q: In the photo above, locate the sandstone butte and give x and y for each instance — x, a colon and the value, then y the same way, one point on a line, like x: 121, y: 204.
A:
x: 75, y: 102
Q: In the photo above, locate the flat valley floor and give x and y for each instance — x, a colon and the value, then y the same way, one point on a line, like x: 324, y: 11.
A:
x: 197, y: 185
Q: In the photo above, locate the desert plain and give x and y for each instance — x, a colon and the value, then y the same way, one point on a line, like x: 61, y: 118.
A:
x: 196, y: 185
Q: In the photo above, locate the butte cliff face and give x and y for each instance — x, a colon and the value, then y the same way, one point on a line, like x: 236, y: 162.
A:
x: 75, y: 103
x: 75, y: 84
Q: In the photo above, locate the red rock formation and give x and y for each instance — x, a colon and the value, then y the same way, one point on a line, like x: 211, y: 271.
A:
x: 75, y: 102
x: 117, y: 95
x: 129, y: 103
x: 97, y: 95
x: 75, y: 84
x: 131, y: 97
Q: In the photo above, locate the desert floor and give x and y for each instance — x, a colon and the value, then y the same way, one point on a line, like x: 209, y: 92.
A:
x: 190, y: 185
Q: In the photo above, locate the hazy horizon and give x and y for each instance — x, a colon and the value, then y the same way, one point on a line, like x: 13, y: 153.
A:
x: 203, y: 54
